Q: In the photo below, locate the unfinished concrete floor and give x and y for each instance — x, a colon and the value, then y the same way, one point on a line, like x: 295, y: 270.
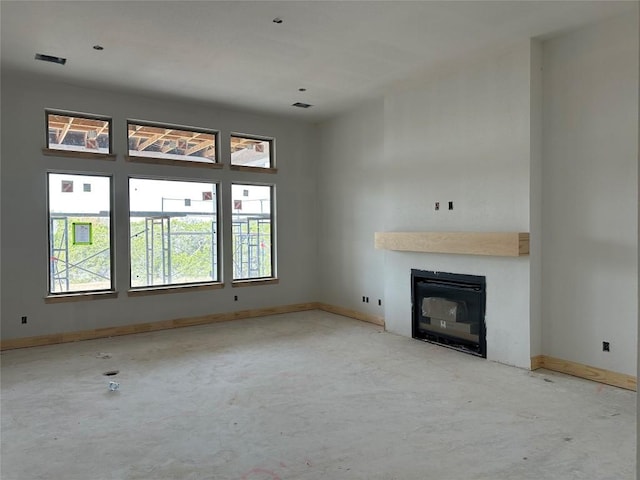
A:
x: 301, y: 396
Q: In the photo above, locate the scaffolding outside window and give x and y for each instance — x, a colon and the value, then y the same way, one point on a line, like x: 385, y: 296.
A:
x: 249, y: 151
x: 253, y: 232
x: 173, y: 232
x: 156, y: 141
x: 80, y: 233
x: 77, y: 132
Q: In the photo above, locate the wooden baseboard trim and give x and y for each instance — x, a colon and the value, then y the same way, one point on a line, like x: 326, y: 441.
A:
x: 346, y: 312
x: 600, y: 375
x: 151, y: 326
x: 536, y: 362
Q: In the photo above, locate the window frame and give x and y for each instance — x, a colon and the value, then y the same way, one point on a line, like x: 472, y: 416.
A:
x: 129, y: 157
x: 273, y: 278
x: 78, y: 153
x: 272, y: 168
x: 56, y: 297
x: 134, y: 291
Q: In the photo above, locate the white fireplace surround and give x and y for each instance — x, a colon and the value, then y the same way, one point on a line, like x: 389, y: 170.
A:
x: 507, y: 309
x: 488, y: 254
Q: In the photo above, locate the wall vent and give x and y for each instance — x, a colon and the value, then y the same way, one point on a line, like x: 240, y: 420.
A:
x: 50, y: 58
x: 301, y: 105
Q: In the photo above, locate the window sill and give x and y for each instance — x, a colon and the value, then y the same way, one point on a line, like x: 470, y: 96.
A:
x: 243, y: 168
x: 73, y: 154
x: 170, y: 161
x: 256, y: 282
x: 79, y: 297
x: 146, y: 291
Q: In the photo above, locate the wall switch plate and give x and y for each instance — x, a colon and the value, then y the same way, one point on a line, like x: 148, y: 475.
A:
x: 605, y: 347
x: 24, y: 319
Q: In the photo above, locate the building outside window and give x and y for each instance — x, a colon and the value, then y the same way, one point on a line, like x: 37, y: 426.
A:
x: 253, y: 232
x: 80, y: 233
x: 157, y: 143
x: 173, y: 232
x: 78, y: 132
x: 254, y: 152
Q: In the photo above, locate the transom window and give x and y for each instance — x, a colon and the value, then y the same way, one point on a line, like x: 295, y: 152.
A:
x: 247, y: 151
x: 173, y: 232
x: 155, y: 141
x: 78, y: 132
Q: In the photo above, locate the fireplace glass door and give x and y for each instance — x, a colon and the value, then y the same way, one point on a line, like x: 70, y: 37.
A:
x: 448, y: 309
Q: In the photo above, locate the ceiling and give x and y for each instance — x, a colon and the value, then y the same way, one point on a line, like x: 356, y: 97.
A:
x: 232, y: 53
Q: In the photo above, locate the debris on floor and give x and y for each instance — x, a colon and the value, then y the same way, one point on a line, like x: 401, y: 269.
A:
x: 114, y: 386
x: 103, y: 355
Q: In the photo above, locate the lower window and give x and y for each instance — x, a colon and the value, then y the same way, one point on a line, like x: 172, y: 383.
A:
x: 80, y: 233
x: 252, y: 231
x: 173, y: 232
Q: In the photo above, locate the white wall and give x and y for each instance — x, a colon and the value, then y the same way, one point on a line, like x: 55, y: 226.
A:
x: 24, y: 213
x: 535, y: 200
x: 351, y: 179
x: 471, y: 135
x: 590, y: 195
x: 537, y: 137
x: 464, y: 137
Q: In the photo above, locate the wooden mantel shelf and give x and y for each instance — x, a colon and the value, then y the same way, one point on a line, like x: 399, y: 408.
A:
x: 497, y: 244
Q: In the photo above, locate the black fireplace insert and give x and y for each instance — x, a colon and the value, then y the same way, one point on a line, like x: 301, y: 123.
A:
x: 448, y: 309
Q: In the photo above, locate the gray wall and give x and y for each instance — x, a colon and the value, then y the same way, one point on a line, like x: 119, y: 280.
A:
x: 590, y: 192
x: 24, y: 214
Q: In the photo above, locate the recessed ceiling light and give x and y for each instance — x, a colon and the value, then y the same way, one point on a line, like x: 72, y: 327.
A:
x: 98, y: 47
x: 50, y: 58
x: 277, y: 20
x: 301, y: 105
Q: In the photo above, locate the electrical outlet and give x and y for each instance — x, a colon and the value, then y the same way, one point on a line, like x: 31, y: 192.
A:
x: 367, y: 299
x: 364, y: 299
x: 235, y: 298
x: 605, y: 347
x: 450, y: 205
x: 437, y: 205
x: 379, y: 302
x: 24, y: 319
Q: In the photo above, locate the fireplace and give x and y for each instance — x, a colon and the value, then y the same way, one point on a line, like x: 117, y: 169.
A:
x: 448, y: 309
